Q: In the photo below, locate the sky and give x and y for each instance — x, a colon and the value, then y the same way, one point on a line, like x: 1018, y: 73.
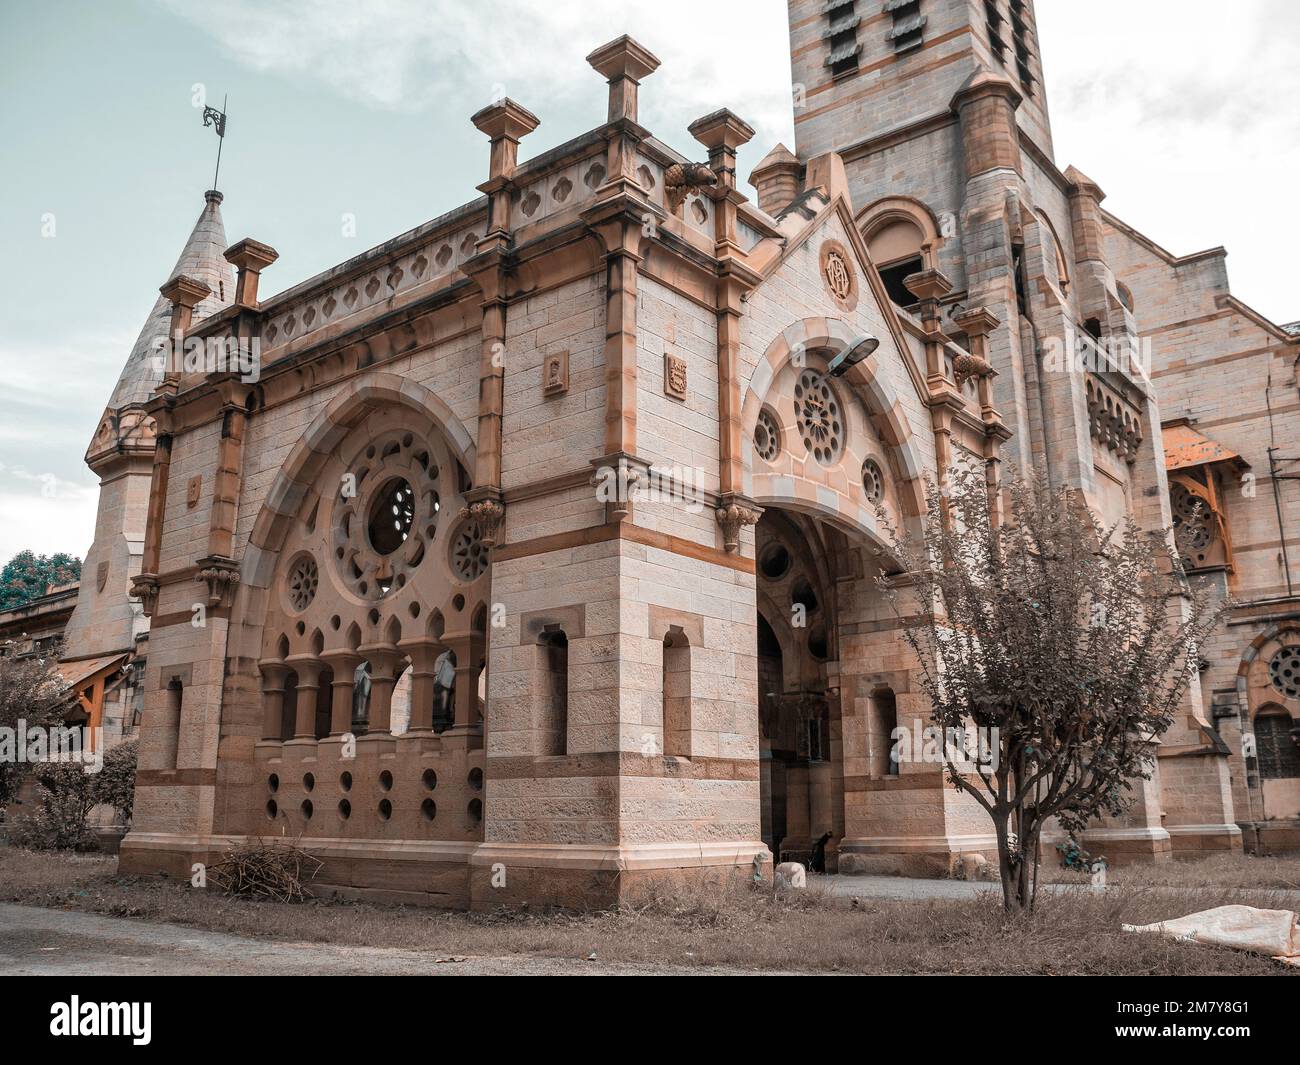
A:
x: 1186, y: 112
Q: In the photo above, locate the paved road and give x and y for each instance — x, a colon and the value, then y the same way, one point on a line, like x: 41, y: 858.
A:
x: 40, y: 942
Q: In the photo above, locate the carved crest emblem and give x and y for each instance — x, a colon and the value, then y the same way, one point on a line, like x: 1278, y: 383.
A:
x: 839, y: 275
x: 555, y: 373
x: 193, y: 490
x: 674, y: 376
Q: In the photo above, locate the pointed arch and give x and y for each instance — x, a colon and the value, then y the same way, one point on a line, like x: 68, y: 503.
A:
x: 295, y: 477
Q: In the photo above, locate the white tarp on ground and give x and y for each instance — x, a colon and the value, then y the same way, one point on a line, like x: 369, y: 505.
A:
x: 1272, y: 932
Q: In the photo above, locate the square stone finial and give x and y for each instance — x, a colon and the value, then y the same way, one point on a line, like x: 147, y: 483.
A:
x: 185, y: 291
x: 928, y: 284
x: 505, y: 119
x: 722, y: 129
x: 250, y: 254
x: 249, y: 257
x: 623, y: 63
x: 623, y: 58
x: 722, y: 132
x: 976, y: 321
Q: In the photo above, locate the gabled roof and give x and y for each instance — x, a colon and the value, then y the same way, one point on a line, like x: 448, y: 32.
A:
x: 201, y: 259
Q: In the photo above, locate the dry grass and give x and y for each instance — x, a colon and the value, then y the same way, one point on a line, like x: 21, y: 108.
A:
x: 1072, y: 933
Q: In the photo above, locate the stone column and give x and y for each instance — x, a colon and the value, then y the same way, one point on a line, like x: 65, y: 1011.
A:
x: 344, y: 665
x: 273, y: 677
x: 308, y: 668
x: 423, y: 653
x: 384, y: 662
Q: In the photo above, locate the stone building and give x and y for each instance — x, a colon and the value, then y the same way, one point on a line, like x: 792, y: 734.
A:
x: 566, y: 464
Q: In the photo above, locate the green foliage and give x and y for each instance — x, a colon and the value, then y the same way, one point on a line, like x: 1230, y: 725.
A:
x: 115, y: 782
x: 32, y: 691
x: 26, y: 576
x: 68, y: 794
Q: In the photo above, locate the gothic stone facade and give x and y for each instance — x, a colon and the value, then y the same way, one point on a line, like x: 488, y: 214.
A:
x: 539, y: 563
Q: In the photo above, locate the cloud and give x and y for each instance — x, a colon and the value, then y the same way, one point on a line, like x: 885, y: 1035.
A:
x: 407, y: 55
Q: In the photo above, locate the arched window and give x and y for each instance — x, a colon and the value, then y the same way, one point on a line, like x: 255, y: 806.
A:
x: 902, y: 236
x: 1275, y: 746
x: 677, y: 693
x: 553, y: 691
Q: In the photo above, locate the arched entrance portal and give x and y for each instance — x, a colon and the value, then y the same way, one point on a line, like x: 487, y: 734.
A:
x: 802, y: 563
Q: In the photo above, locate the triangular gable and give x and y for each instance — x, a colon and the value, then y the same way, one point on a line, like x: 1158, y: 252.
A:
x: 839, y: 206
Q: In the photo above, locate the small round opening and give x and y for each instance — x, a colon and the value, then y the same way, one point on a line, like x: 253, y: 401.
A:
x: 386, y: 780
x: 308, y: 781
x: 273, y: 782
x: 476, y: 779
x: 391, y: 515
x: 803, y: 594
x: 428, y: 809
x: 307, y: 809
x: 385, y: 809
x: 272, y: 809
x: 430, y: 779
x: 475, y: 810
x: 345, y: 809
x: 345, y: 781
x: 774, y: 562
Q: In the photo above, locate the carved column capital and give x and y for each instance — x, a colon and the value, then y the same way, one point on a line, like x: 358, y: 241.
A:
x: 490, y: 513
x: 735, y: 513
x: 221, y: 575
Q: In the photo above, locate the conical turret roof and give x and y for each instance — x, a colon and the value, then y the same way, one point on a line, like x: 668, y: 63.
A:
x: 200, y: 259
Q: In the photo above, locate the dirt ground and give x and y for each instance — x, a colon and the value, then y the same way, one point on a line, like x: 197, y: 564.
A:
x: 843, y: 926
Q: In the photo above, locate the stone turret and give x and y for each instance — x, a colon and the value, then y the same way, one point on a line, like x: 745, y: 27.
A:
x: 107, y: 628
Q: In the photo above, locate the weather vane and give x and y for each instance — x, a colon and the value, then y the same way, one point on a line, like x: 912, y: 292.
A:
x: 217, y: 119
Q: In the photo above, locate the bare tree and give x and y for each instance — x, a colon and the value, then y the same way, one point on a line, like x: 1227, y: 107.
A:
x: 1068, y: 647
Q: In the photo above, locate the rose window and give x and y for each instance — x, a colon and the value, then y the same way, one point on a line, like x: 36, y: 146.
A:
x: 818, y: 417
x: 469, y: 555
x: 1193, y: 524
x: 767, y: 436
x: 302, y: 582
x: 386, y: 513
x: 873, y: 481
x: 1284, y: 671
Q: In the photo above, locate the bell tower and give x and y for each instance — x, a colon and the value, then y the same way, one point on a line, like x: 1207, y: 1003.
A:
x: 865, y: 68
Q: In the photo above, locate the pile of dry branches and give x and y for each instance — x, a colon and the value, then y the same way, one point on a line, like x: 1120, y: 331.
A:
x: 258, y: 869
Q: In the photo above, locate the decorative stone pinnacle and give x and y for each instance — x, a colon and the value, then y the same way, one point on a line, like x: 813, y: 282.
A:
x: 185, y: 291
x: 505, y: 118
x: 249, y: 257
x: 976, y: 321
x: 623, y: 57
x: 623, y: 62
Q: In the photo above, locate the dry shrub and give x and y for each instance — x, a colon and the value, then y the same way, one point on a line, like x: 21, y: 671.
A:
x: 275, y: 870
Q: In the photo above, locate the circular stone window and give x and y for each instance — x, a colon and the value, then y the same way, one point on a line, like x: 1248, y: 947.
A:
x: 1193, y: 531
x: 1284, y: 671
x: 302, y: 582
x: 818, y: 417
x: 767, y: 436
x: 391, y: 513
x: 774, y: 561
x: 873, y: 481
x: 386, y: 513
x: 469, y: 555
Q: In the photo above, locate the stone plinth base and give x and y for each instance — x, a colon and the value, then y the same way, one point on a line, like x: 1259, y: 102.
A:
x: 1199, y: 841
x: 481, y: 876
x: 931, y: 857
x: 516, y: 874
x: 1270, y: 837
x: 1127, y: 846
